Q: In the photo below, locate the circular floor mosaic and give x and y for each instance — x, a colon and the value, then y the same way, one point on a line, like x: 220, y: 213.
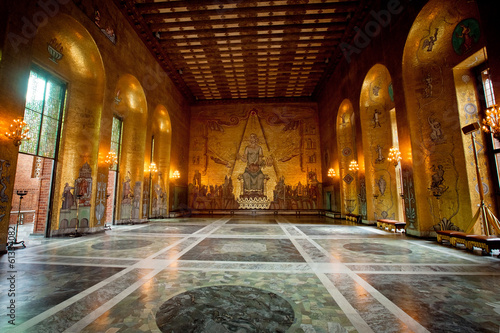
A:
x: 221, y: 309
x: 123, y: 244
x: 380, y: 249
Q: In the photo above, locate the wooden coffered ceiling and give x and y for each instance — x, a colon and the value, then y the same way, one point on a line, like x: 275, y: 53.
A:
x: 245, y: 49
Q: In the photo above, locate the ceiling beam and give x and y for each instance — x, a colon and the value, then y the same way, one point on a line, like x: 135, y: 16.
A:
x: 324, y: 35
x: 147, y: 7
x: 335, y: 26
x: 248, y: 48
x: 154, y: 20
x: 179, y: 57
x: 216, y: 71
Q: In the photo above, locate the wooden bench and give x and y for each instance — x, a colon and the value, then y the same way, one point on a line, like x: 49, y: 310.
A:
x: 451, y: 236
x: 333, y: 214
x: 486, y: 243
x: 391, y: 225
x: 353, y: 217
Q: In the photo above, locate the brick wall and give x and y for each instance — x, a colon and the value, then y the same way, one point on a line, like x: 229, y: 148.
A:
x: 43, y: 201
x: 24, y: 182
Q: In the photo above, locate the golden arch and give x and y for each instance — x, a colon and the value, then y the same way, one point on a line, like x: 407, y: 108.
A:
x: 376, y: 103
x: 438, y: 146
x: 133, y: 110
x: 347, y: 152
x: 162, y: 132
x: 82, y: 67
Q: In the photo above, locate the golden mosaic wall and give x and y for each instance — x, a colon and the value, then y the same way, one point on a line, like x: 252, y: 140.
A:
x: 104, y: 76
x: 439, y: 40
x: 469, y: 108
x: 80, y: 132
x: 289, y: 138
x: 132, y: 108
x: 162, y: 131
x: 347, y: 152
x: 376, y: 103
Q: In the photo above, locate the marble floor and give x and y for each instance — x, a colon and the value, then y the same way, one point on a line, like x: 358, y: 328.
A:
x: 247, y: 274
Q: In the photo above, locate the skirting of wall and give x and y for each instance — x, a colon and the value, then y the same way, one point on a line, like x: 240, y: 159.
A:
x: 248, y: 212
x: 69, y: 231
x: 132, y: 221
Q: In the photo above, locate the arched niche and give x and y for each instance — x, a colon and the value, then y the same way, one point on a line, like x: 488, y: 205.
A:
x: 347, y: 152
x: 132, y: 109
x: 81, y: 66
x: 162, y: 133
x: 376, y: 103
x: 433, y: 48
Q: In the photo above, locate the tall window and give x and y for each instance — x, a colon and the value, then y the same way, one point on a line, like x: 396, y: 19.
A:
x: 116, y: 139
x: 489, y: 100
x: 43, y: 113
x: 488, y: 88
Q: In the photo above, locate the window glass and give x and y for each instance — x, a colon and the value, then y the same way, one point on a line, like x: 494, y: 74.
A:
x: 36, y: 92
x: 33, y: 119
x: 44, y: 104
x: 116, y: 133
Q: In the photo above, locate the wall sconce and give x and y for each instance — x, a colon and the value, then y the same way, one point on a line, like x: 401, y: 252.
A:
x: 153, y: 168
x: 176, y: 175
x: 394, y: 156
x: 331, y: 172
x: 18, y: 132
x: 111, y: 159
x: 353, y: 166
x: 492, y: 122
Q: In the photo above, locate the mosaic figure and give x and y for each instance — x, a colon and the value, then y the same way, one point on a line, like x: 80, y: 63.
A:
x: 127, y: 190
x: 429, y: 42
x: 4, y: 180
x: 253, y: 177
x: 428, y: 86
x: 68, y: 197
x: 437, y: 181
x: 437, y: 133
x: 376, y: 122
x: 380, y: 157
x: 381, y: 184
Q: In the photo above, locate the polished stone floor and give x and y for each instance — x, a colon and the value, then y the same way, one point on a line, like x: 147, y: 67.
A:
x: 247, y: 274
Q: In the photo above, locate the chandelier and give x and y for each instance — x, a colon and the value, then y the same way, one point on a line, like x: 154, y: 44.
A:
x: 176, y: 174
x: 331, y: 172
x: 111, y: 159
x: 18, y: 132
x: 394, y: 156
x: 353, y: 166
x: 491, y: 124
x: 153, y: 168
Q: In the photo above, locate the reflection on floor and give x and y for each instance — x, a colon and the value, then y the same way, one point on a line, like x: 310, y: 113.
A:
x: 247, y: 274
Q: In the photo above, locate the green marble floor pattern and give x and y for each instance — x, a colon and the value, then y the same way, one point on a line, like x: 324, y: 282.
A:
x: 336, y: 277
x: 312, y: 304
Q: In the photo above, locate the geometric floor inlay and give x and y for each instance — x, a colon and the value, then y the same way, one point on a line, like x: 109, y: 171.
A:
x: 232, y: 249
x: 122, y: 244
x: 304, y: 274
x: 380, y: 249
x: 219, y: 309
x: 249, y: 229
